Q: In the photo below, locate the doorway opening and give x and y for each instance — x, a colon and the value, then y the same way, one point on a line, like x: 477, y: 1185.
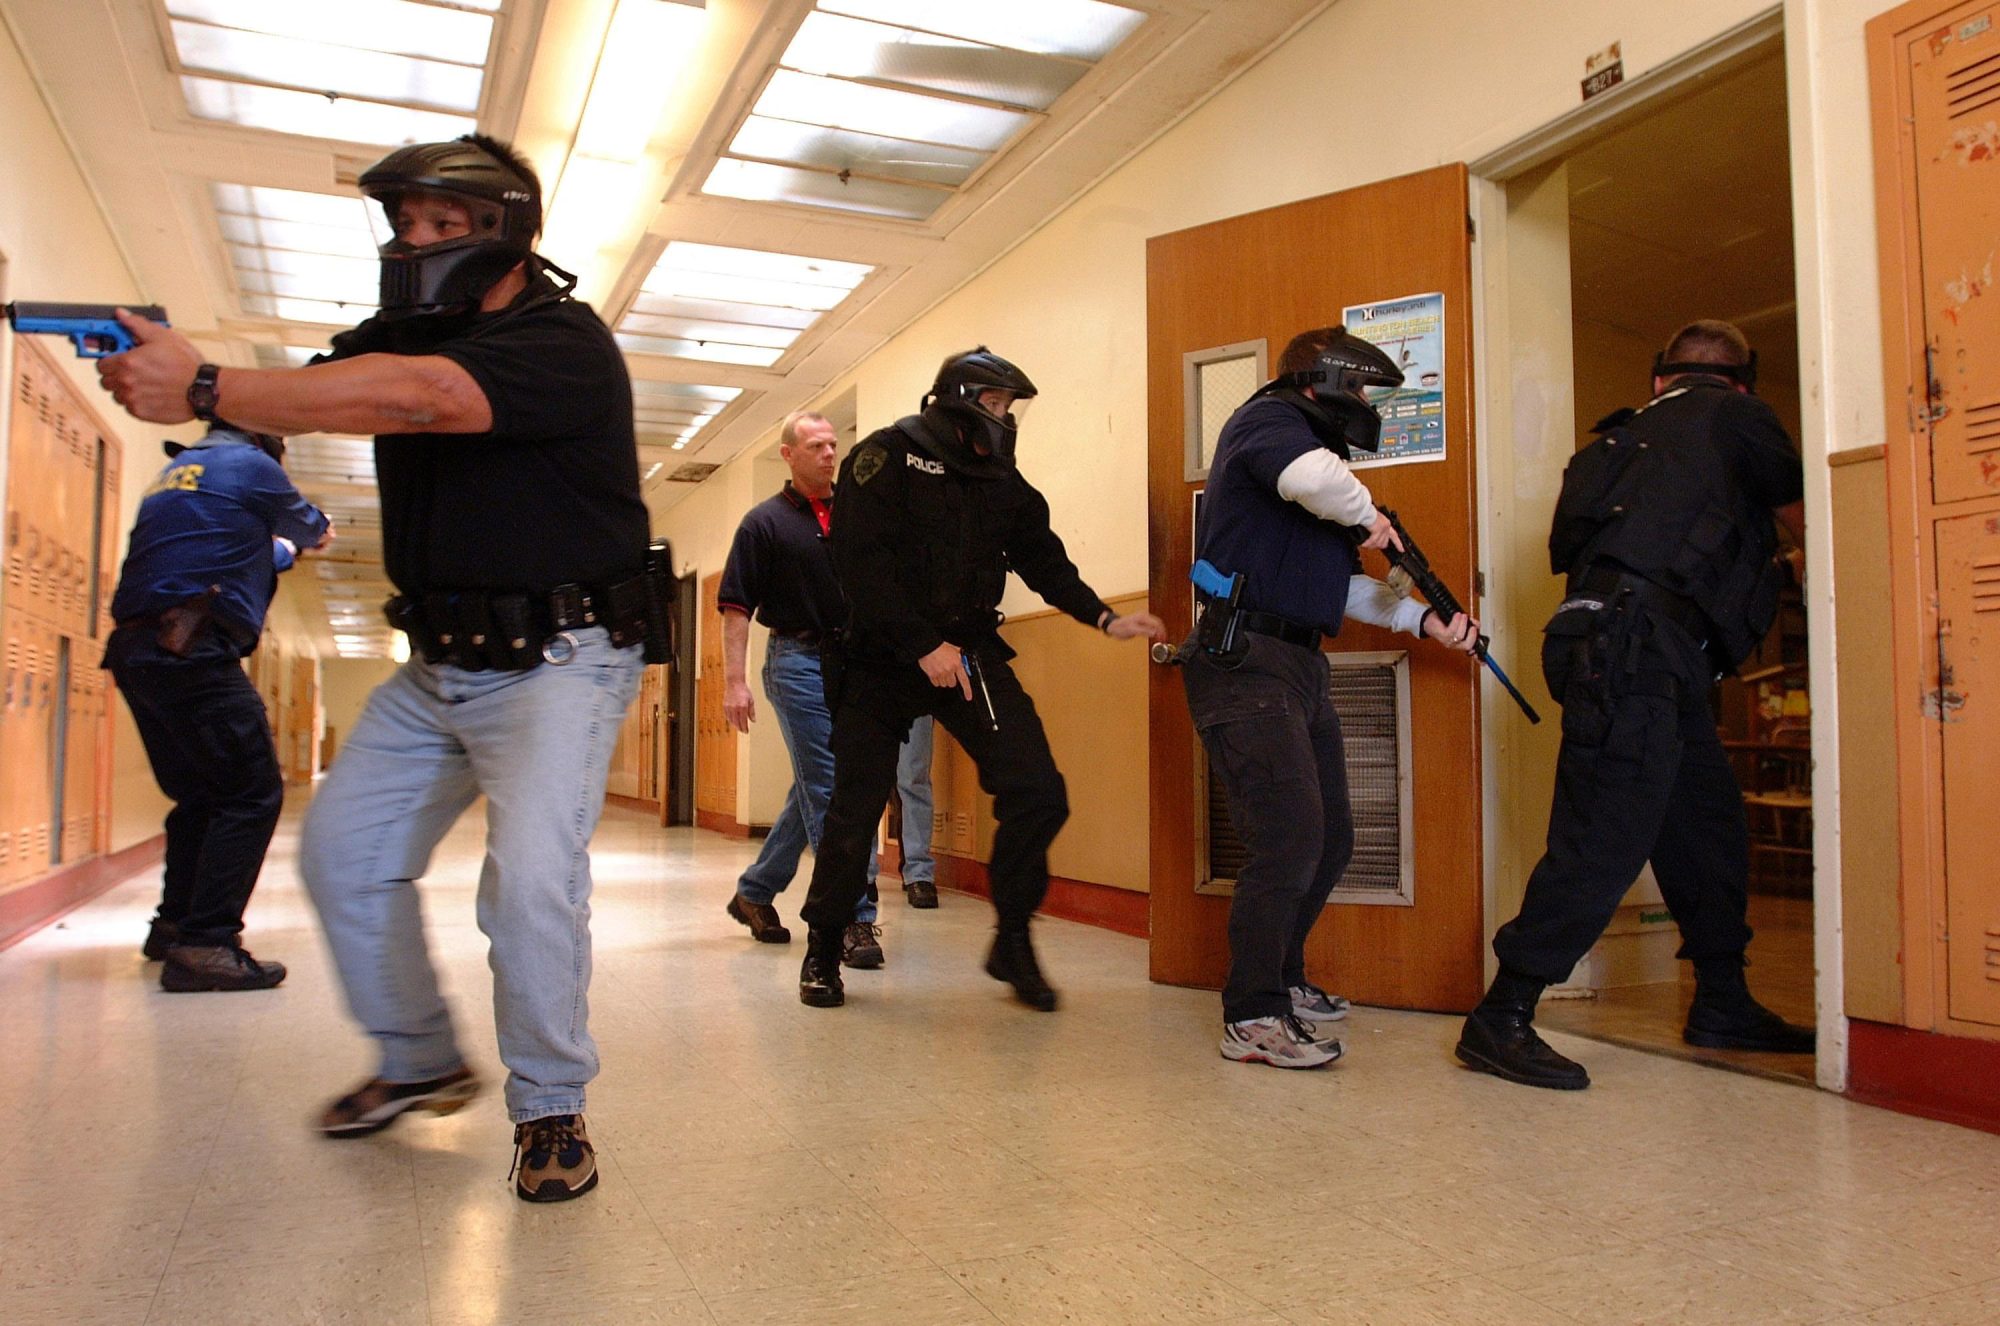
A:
x: 1679, y: 210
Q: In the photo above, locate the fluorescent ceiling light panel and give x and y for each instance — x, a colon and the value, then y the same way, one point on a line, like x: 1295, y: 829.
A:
x: 922, y: 61
x: 364, y: 71
x: 341, y: 70
x: 676, y: 411
x: 308, y: 257
x: 394, y: 27
x: 344, y: 119
x: 835, y: 150
x: 730, y: 305
x: 812, y: 99
x: 1079, y: 29
x: 762, y: 182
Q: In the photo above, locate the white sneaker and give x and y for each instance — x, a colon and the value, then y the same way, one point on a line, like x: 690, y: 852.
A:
x: 1316, y: 1005
x: 1281, y: 1042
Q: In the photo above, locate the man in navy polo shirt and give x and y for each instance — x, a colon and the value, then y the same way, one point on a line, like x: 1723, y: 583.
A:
x: 213, y: 531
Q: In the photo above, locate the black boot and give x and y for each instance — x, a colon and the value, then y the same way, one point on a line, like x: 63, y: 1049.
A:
x: 1499, y: 1038
x: 1013, y: 961
x: 162, y: 936
x: 819, y: 977
x: 1725, y: 1016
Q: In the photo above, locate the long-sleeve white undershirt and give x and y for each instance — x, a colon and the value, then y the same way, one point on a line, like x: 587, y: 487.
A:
x: 1325, y: 485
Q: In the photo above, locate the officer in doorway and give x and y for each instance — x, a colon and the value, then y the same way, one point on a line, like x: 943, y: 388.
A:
x: 1277, y: 512
x: 933, y: 515
x: 1664, y: 528
x: 213, y: 531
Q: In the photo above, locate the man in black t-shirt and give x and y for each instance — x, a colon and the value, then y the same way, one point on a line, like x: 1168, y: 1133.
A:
x: 513, y: 528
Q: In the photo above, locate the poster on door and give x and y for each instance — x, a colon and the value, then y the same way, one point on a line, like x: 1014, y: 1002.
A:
x: 1411, y: 331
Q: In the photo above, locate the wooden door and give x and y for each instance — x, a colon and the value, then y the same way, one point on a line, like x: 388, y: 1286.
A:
x: 715, y: 740
x: 1269, y: 275
x: 1935, y: 70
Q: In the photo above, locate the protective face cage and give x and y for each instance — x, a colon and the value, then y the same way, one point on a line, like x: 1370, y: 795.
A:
x: 961, y: 381
x: 1340, y: 378
x: 451, y: 275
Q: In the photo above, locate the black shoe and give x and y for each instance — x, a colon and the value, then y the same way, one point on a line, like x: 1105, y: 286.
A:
x: 921, y: 893
x: 1013, y: 961
x: 819, y: 976
x: 761, y: 917
x: 861, y: 946
x: 162, y: 936
x: 191, y: 968
x: 1736, y: 1021
x: 1499, y: 1038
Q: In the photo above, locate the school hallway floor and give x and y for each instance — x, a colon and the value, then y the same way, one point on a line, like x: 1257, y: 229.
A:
x: 932, y: 1153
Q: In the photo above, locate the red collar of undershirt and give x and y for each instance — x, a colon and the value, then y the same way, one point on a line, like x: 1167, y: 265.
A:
x: 821, y: 507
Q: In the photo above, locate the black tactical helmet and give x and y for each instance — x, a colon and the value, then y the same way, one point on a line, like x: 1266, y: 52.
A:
x: 961, y: 379
x: 503, y: 197
x: 268, y: 443
x: 1344, y: 368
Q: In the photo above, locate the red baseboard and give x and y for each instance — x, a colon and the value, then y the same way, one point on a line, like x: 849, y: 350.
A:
x: 1100, y: 905
x: 717, y: 822
x: 1953, y: 1078
x: 28, y: 908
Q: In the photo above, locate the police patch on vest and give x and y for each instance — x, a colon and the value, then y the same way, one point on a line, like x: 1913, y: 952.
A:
x: 917, y: 462
x: 868, y: 461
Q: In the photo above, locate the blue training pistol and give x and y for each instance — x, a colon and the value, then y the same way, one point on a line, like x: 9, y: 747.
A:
x: 93, y: 328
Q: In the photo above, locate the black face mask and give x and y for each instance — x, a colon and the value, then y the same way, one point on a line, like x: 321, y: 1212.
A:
x: 941, y: 431
x: 1343, y: 425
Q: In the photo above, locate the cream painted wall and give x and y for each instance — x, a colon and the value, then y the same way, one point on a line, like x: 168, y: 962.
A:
x: 56, y: 246
x: 345, y: 684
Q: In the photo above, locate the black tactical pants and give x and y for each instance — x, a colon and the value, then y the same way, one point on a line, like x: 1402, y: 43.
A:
x: 209, y: 742
x: 1030, y: 803
x: 1641, y: 777
x: 1273, y: 739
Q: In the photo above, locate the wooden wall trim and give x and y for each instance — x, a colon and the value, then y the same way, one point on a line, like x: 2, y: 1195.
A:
x: 28, y: 907
x: 1856, y: 456
x: 1101, y: 905
x: 631, y: 803
x: 1952, y: 1078
x: 718, y: 822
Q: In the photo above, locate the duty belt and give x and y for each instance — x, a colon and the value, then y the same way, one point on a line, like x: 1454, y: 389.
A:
x: 1282, y: 628
x: 1679, y: 609
x: 490, y: 630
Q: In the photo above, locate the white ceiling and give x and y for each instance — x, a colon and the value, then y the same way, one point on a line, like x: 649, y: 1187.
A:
x: 109, y: 71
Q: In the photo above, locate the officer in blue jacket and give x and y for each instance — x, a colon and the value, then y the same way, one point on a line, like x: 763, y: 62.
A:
x: 213, y: 531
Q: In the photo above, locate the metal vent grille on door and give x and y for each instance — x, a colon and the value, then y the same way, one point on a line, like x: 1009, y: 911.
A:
x: 1371, y: 693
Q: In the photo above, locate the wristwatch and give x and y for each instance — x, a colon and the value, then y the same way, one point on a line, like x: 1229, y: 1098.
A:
x: 201, y: 393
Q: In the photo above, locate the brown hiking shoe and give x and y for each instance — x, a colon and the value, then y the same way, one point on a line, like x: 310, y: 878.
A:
x: 761, y: 917
x: 861, y: 946
x: 190, y: 968
x: 376, y: 1104
x: 553, y: 1159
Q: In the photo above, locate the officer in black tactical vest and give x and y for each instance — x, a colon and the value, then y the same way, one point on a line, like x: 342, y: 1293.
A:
x: 1664, y: 528
x: 933, y: 515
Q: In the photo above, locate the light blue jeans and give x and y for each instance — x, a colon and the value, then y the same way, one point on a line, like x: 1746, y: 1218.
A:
x: 913, y: 785
x: 430, y: 741
x: 793, y: 685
